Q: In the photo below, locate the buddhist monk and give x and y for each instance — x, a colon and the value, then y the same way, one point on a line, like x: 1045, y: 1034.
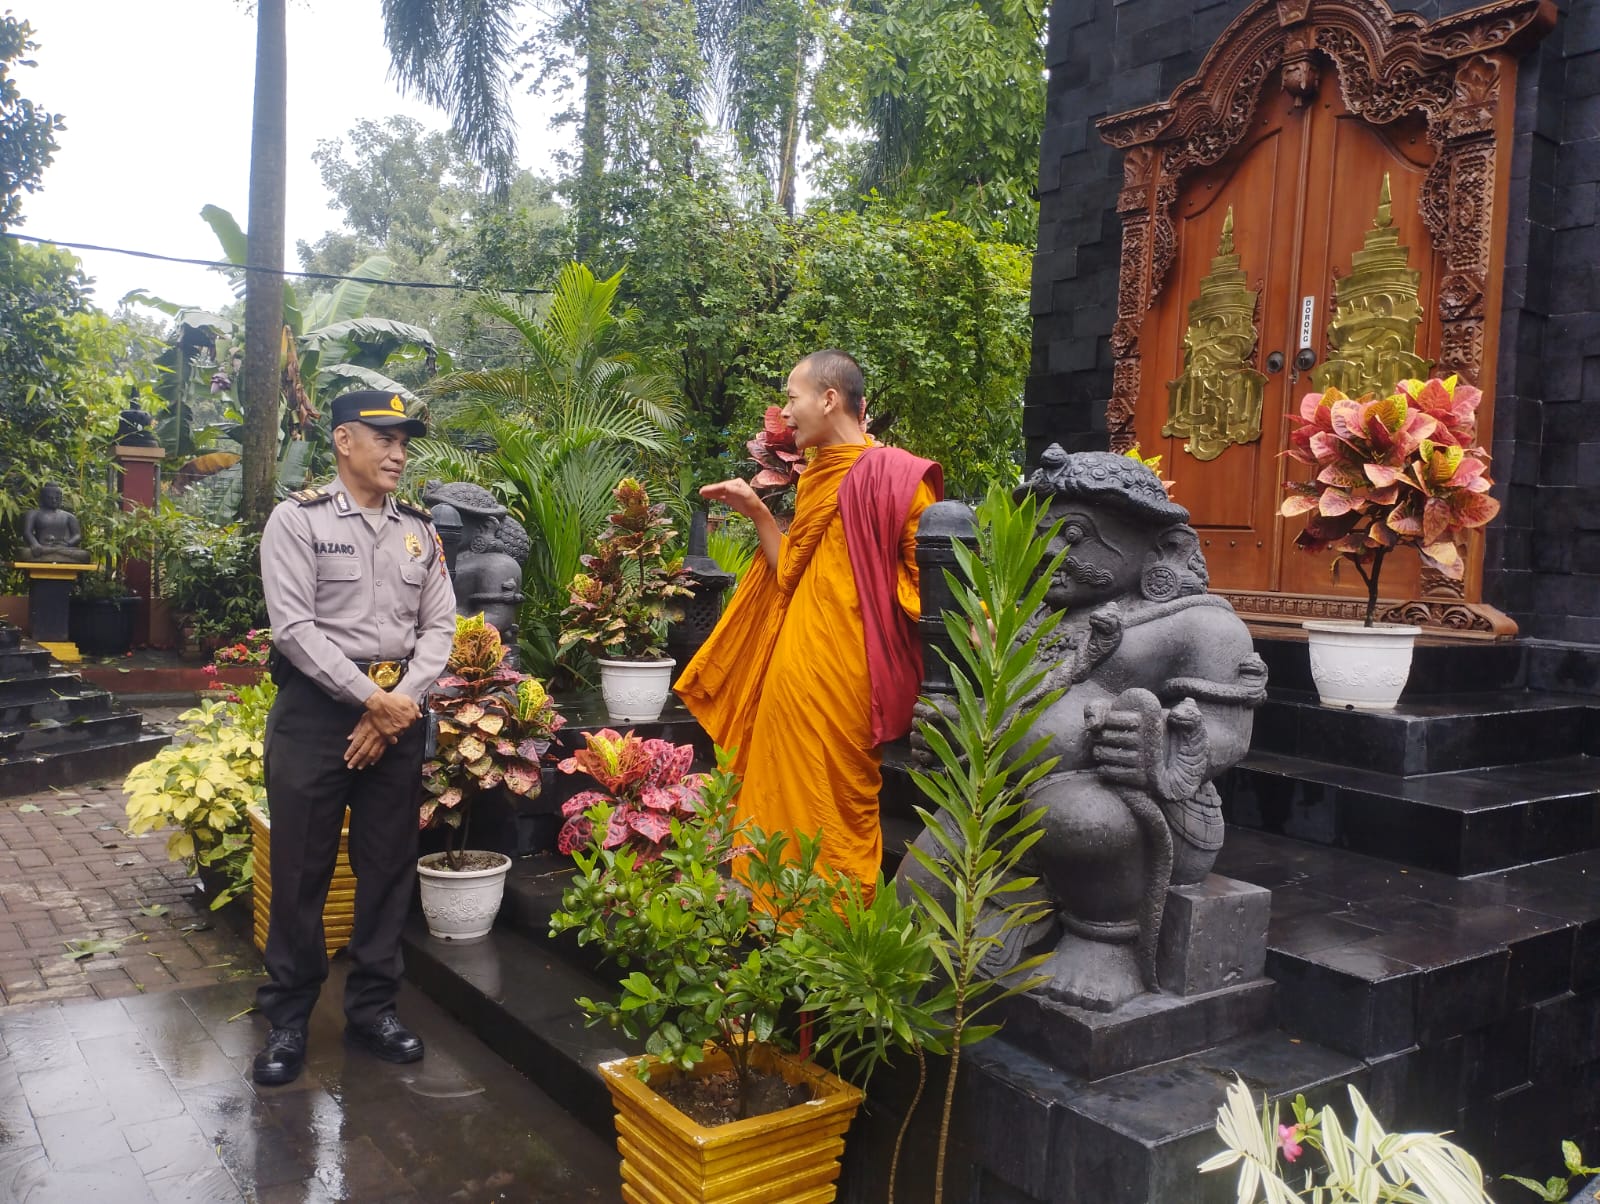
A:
x: 816, y: 662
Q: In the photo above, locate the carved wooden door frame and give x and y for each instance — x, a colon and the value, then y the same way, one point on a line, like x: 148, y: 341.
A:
x: 1454, y: 71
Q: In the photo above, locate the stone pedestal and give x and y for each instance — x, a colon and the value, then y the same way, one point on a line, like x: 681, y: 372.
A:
x: 141, y: 478
x: 49, y: 592
x: 1213, y: 935
x: 1210, y: 964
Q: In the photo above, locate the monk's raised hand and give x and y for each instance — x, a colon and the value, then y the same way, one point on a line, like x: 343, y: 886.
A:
x: 737, y: 496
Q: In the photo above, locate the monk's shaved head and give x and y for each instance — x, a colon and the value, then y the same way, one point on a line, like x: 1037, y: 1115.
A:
x: 837, y: 370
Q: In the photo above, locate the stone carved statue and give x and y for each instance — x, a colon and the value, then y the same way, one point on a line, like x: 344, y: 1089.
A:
x: 51, y: 534
x: 485, y: 550
x: 1161, y: 681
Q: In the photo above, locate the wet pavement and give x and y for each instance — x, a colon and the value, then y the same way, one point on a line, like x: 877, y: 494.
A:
x: 148, y: 1100
x: 126, y: 1038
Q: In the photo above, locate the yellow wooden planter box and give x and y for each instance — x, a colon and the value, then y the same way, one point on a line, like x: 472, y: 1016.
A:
x: 787, y: 1157
x: 338, y: 913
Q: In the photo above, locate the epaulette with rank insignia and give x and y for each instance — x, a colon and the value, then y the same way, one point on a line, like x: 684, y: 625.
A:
x: 421, y: 512
x: 310, y: 497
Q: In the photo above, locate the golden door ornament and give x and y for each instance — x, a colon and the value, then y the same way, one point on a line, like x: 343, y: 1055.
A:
x: 1377, y: 308
x: 1216, y: 401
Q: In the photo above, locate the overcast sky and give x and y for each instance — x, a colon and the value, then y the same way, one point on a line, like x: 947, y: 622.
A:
x: 156, y: 95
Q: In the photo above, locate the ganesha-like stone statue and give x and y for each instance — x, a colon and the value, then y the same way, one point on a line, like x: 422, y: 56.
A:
x: 485, y: 549
x: 1160, y: 682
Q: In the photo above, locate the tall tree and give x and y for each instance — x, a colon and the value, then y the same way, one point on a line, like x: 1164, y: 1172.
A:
x: 953, y: 96
x: 27, y: 132
x: 454, y: 54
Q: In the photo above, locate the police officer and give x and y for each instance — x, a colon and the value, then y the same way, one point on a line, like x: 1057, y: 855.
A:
x: 363, y: 615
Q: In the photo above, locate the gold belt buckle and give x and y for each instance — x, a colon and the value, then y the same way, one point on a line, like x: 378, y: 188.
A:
x: 386, y: 674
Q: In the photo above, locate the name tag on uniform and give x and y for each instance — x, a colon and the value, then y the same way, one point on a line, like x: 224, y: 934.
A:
x: 323, y: 548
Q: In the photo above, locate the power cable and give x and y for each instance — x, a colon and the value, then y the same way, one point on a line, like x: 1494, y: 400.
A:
x: 240, y: 267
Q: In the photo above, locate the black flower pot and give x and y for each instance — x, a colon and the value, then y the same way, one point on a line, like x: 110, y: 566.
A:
x: 102, y: 626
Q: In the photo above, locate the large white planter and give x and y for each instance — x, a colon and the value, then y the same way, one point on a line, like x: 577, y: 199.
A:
x: 1357, y: 667
x: 461, y: 906
x: 635, y: 691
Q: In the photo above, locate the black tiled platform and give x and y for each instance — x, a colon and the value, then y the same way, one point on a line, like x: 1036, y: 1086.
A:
x: 1468, y: 998
x: 1467, y: 822
x: 1440, y: 734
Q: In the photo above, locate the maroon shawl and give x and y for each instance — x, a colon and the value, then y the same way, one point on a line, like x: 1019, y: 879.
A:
x: 874, y: 502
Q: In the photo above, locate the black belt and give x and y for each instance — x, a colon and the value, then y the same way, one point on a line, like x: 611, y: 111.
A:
x: 386, y: 673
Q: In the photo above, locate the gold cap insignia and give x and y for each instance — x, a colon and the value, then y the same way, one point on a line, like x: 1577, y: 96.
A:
x: 413, y: 545
x: 396, y: 405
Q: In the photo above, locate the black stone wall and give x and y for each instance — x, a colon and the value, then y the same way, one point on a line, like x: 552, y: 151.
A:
x: 1542, y: 563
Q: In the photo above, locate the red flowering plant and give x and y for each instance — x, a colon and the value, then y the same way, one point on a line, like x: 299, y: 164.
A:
x: 253, y: 649
x: 773, y: 450
x: 1389, y: 471
x: 645, y: 783
x: 493, y: 725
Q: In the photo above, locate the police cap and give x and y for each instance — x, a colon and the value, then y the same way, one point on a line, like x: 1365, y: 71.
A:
x: 376, y: 407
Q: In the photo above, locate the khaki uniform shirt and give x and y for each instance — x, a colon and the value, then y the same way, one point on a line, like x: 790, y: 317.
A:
x: 338, y: 591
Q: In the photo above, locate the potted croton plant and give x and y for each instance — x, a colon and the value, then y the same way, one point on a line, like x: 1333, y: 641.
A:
x: 621, y: 603
x: 1403, y: 470
x: 717, y: 1108
x: 493, y: 726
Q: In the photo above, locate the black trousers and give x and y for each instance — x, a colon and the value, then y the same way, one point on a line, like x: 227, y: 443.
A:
x: 308, y: 789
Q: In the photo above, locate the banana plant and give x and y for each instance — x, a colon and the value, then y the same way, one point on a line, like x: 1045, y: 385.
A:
x: 329, y: 346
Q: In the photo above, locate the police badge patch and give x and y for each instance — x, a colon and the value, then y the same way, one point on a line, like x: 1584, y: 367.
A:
x: 413, y: 545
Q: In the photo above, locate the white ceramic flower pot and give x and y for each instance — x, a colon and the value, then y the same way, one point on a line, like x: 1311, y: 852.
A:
x: 461, y: 905
x: 635, y: 691
x: 1357, y: 667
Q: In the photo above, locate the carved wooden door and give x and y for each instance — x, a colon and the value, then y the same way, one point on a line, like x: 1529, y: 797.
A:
x: 1256, y: 230
x: 1243, y: 331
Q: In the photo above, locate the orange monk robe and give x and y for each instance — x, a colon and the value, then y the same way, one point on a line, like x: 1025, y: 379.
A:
x: 784, y: 678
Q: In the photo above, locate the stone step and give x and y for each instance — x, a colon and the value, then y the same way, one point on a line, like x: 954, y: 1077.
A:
x: 1033, y: 1133
x: 1468, y: 822
x: 63, y: 708
x: 1431, y: 734
x: 74, y: 762
x: 1470, y: 998
x: 519, y: 999
x: 1438, y: 666
x: 24, y: 660
x: 45, y: 734
x: 26, y: 689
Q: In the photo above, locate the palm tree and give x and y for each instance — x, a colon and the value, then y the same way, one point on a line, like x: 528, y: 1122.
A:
x: 454, y: 54
x: 553, y: 434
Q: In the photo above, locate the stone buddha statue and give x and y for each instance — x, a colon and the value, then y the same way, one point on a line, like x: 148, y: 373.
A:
x: 50, y: 534
x: 1160, y: 682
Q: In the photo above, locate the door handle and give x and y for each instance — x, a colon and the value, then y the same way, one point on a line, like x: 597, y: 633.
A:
x: 1304, y: 359
x: 1275, y: 363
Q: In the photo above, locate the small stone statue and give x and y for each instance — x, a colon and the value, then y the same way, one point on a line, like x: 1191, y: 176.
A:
x: 51, y: 534
x: 133, y: 425
x: 1160, y: 679
x: 486, y: 551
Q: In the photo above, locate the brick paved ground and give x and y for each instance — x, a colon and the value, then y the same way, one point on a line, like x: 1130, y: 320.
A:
x: 69, y: 872
x: 147, y: 1099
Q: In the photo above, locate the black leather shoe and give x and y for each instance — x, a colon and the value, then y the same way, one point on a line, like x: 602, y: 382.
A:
x: 385, y: 1038
x: 282, y: 1058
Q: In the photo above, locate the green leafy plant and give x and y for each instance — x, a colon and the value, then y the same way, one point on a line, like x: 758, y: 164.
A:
x: 1366, y: 1165
x: 967, y: 868
x: 201, y: 783
x: 210, y: 575
x: 1559, y: 1187
x: 494, y: 726
x: 1390, y: 471
x: 715, y: 962
x: 620, y: 604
